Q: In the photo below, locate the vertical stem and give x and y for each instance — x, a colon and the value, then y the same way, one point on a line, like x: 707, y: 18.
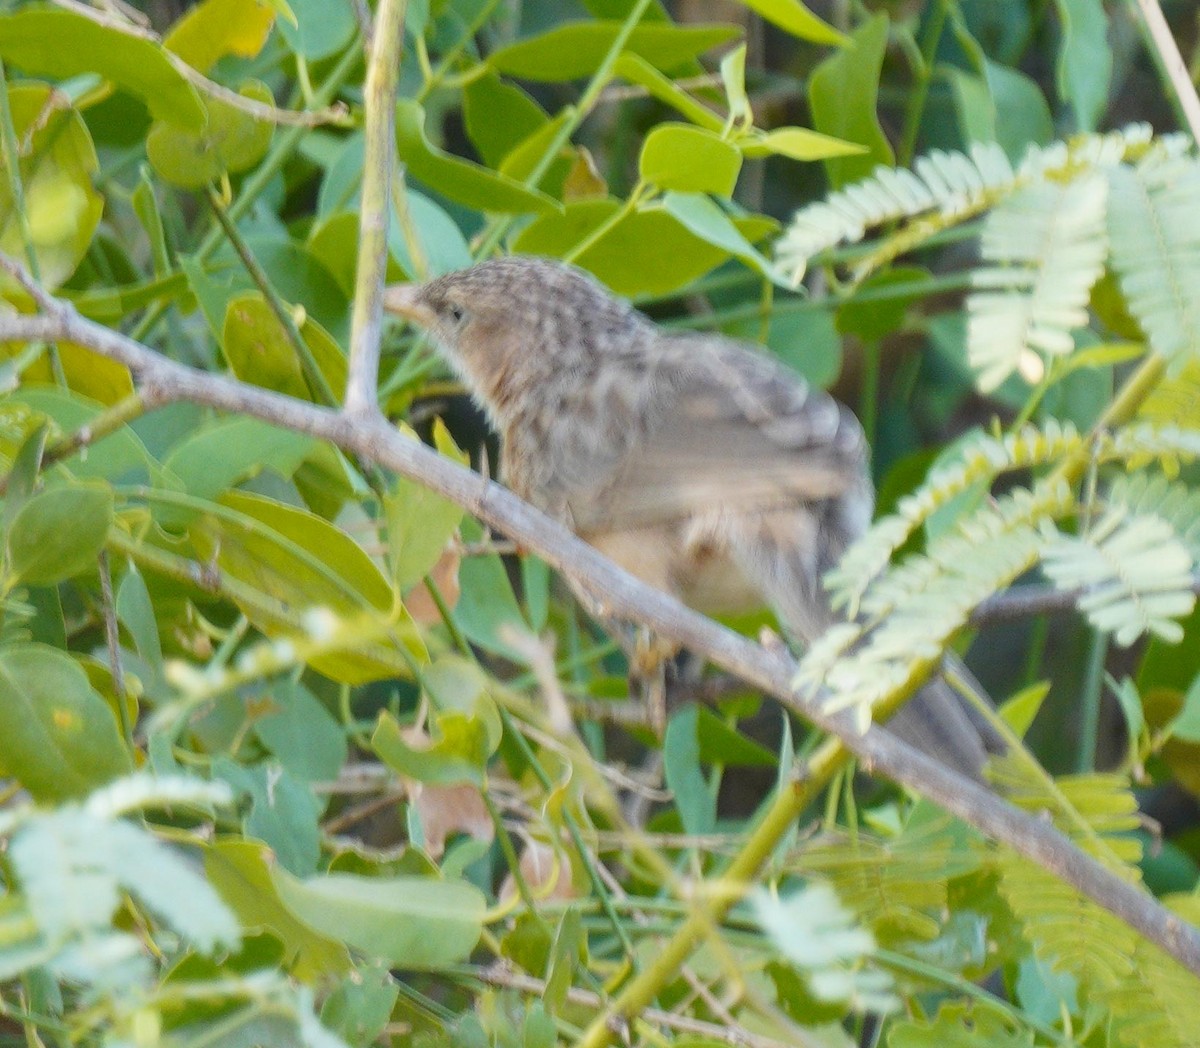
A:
x: 383, y: 74
x: 1167, y: 52
x: 1092, y: 692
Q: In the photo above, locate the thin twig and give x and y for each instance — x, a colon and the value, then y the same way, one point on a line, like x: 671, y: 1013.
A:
x: 1176, y: 68
x: 383, y: 74
x: 1025, y: 602
x: 771, y: 671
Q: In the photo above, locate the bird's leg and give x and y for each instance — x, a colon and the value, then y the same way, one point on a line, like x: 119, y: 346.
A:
x: 649, y: 663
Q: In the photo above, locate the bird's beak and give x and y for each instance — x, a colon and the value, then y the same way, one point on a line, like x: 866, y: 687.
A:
x: 404, y: 300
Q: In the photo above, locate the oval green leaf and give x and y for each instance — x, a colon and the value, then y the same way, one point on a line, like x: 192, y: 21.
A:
x: 576, y: 50
x: 57, y: 43
x: 690, y: 159
x: 300, y: 561
x: 843, y: 93
x: 216, y: 28
x: 458, y: 179
x: 58, y: 737
x: 647, y: 252
x: 259, y: 351
x: 232, y: 141
x: 799, y: 143
x: 57, y: 172
x: 58, y: 533
x: 412, y: 922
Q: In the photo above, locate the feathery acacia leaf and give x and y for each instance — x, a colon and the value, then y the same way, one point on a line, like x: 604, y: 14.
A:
x: 981, y: 459
x: 1047, y: 245
x: 1136, y: 572
x: 1154, y: 226
x: 926, y: 599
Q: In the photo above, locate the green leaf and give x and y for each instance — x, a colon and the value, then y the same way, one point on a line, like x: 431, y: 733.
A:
x: 843, y: 92
x: 318, y: 28
x: 722, y: 744
x: 259, y: 351
x: 232, y: 141
x: 414, y: 922
x: 487, y: 604
x: 638, y: 71
x: 119, y: 455
x: 240, y: 871
x: 216, y: 28
x: 59, y: 533
x: 223, y: 452
x: 302, y: 562
x: 973, y: 104
x: 798, y: 143
x: 961, y: 1026
x: 1019, y: 711
x: 689, y: 159
x: 135, y: 612
x: 648, y: 251
x: 1084, y: 60
x: 361, y: 1005
x: 797, y: 20
x: 458, y: 755
x: 145, y: 206
x: 498, y: 116
x: 699, y: 215
x: 58, y: 737
x: 57, y: 169
x: 695, y: 800
x: 458, y: 179
x: 302, y: 734
x: 576, y: 50
x: 419, y: 524
x: 283, y: 812
x: 1022, y: 113
x: 50, y: 42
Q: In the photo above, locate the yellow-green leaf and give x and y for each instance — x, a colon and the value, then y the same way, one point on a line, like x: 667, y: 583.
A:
x: 58, y: 737
x: 689, y: 159
x: 57, y: 170
x: 58, y: 43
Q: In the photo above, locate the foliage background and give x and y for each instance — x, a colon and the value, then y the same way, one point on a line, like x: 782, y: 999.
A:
x: 284, y: 737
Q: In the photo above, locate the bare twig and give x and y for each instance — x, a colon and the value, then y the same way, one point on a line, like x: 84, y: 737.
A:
x: 1024, y: 602
x: 1176, y: 68
x: 375, y: 441
x: 383, y: 74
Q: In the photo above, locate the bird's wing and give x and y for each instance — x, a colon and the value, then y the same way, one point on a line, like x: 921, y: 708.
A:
x: 735, y: 432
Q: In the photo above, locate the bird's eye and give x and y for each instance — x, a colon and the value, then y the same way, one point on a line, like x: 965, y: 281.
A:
x: 456, y: 314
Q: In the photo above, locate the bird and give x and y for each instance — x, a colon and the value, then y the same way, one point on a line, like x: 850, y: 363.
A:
x: 698, y: 463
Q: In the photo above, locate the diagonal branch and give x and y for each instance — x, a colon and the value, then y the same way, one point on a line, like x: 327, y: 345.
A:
x: 374, y: 440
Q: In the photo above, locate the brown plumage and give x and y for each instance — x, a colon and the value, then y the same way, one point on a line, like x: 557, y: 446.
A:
x: 697, y: 463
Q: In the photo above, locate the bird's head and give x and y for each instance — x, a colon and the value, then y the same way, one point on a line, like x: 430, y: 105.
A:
x: 516, y: 321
